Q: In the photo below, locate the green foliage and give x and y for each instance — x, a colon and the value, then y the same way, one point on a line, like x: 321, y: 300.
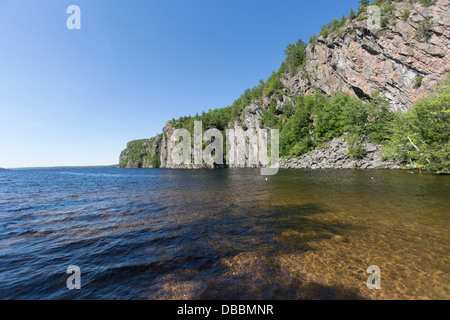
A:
x: 379, y: 125
x: 136, y: 153
x: 327, y: 123
x: 337, y: 114
x: 301, y: 147
x: 388, y: 8
x: 156, y: 162
x: 354, y: 116
x: 295, y: 56
x: 424, y: 30
x: 274, y: 84
x: 294, y: 136
x: 361, y: 17
x: 418, y: 81
x: 313, y: 120
x: 421, y: 135
x: 384, y: 22
x: 269, y: 120
x: 319, y: 118
x: 273, y: 106
x: 427, y: 3
x: 388, y: 17
x: 405, y: 15
x: 312, y: 41
x: 362, y: 8
x: 355, y: 146
x: 364, y: 3
x: 288, y: 109
x: 330, y: 28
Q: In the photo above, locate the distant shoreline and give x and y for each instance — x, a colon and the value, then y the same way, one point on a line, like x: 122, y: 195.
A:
x: 62, y: 167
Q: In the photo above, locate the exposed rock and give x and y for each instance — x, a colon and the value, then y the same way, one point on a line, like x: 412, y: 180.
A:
x: 322, y: 158
x: 394, y: 60
x: 139, y: 153
x: 389, y: 60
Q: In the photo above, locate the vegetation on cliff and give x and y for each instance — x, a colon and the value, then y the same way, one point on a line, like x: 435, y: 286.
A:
x: 419, y: 136
x: 312, y: 120
x: 139, y: 154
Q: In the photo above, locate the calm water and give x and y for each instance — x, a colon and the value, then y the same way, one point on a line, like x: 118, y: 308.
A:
x: 168, y: 234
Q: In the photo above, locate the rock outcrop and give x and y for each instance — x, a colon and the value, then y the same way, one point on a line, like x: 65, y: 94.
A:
x: 404, y: 59
x: 140, y: 153
x: 335, y: 156
x: 166, y: 147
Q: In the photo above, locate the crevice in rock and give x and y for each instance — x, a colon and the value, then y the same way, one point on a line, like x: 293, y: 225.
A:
x: 397, y: 61
x: 360, y: 93
x: 370, y: 50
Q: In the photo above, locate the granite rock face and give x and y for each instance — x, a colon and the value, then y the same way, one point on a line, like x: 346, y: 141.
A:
x: 167, y: 145
x: 404, y: 60
x: 397, y: 60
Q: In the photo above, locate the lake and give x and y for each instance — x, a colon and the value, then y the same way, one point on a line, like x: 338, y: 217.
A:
x: 223, y: 234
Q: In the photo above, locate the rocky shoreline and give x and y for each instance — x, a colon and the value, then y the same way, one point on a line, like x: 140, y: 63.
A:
x: 335, y: 156
x: 394, y: 60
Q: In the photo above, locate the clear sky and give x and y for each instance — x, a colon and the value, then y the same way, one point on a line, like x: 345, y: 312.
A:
x: 76, y: 97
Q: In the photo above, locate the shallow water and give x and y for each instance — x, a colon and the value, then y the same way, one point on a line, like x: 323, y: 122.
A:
x: 223, y: 234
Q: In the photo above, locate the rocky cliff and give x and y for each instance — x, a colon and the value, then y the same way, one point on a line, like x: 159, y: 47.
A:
x: 405, y: 57
x: 142, y: 153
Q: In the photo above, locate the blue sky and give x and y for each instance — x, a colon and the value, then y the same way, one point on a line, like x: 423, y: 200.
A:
x: 76, y: 97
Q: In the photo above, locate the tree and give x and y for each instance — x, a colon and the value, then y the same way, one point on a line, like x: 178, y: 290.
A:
x: 294, y: 136
x: 421, y: 135
x: 354, y: 116
x: 380, y: 118
x: 295, y: 55
x: 364, y: 3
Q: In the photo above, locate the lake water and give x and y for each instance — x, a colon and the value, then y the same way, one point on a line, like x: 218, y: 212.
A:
x: 223, y: 234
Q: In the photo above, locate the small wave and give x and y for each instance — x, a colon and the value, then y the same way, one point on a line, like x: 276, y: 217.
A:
x: 107, y: 175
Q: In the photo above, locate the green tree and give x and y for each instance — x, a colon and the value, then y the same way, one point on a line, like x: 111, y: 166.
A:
x: 328, y: 120
x: 421, y: 135
x: 156, y: 162
x: 355, y: 146
x: 380, y: 118
x: 295, y: 55
x: 294, y: 136
x: 364, y: 3
x: 353, y: 116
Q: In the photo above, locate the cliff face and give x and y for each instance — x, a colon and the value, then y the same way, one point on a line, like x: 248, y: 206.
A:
x: 140, y: 153
x: 166, y: 148
x: 404, y: 59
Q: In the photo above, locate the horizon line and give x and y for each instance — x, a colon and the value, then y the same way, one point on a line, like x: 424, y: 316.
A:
x: 53, y: 167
